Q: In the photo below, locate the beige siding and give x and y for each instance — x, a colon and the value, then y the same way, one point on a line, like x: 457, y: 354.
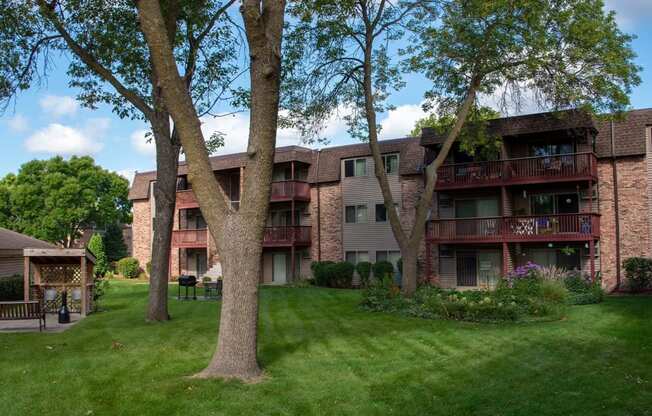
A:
x: 364, y: 190
x: 10, y: 264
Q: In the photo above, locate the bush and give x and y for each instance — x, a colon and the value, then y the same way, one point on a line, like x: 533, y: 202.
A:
x: 11, y: 288
x: 582, y: 290
x: 638, y: 271
x: 364, y: 271
x: 96, y: 246
x: 128, y: 267
x: 340, y: 274
x: 510, y: 301
x: 319, y: 272
x: 383, y: 269
x: 148, y: 268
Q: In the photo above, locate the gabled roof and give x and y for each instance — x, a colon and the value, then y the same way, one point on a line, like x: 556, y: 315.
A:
x: 11, y: 240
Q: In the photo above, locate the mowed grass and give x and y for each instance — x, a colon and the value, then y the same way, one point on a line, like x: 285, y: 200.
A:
x: 322, y: 355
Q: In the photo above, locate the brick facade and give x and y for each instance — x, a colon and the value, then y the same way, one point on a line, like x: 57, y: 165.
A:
x: 142, y: 231
x: 411, y: 189
x: 634, y: 210
x: 330, y: 200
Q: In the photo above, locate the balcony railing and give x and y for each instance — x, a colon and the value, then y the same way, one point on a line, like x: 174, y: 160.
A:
x: 557, y: 227
x: 572, y: 166
x: 288, y: 190
x: 286, y: 236
x: 190, y: 238
x: 186, y: 199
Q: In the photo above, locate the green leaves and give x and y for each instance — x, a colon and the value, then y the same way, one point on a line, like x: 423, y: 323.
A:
x: 54, y: 199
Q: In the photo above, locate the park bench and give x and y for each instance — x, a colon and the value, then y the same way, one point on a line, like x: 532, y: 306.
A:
x: 21, y: 310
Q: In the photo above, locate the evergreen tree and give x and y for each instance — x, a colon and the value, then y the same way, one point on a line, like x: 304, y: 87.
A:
x: 96, y: 246
x: 114, y: 243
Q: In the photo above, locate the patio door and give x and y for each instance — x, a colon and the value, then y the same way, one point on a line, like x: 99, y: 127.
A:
x: 467, y: 269
x: 279, y: 268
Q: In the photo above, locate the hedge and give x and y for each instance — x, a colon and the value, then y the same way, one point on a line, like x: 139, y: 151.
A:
x: 638, y: 271
x: 331, y: 274
x: 364, y: 270
x: 383, y: 269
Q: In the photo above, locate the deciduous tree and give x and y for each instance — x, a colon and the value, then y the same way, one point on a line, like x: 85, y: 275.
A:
x: 111, y: 64
x: 566, y: 53
x: 238, y: 233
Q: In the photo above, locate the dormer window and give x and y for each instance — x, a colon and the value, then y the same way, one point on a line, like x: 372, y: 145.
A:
x: 391, y: 164
x: 355, y: 167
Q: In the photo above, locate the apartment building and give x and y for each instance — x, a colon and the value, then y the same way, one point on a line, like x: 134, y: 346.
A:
x: 566, y: 190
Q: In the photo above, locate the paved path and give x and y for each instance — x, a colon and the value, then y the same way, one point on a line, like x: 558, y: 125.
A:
x: 51, y: 320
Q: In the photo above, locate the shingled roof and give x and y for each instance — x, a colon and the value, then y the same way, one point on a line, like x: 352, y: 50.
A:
x: 324, y: 164
x: 629, y: 133
x: 525, y: 124
x: 11, y: 240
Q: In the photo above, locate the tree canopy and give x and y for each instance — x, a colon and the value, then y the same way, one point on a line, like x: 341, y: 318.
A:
x: 55, y: 199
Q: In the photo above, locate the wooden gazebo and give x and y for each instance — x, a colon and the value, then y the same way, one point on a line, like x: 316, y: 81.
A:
x: 50, y: 272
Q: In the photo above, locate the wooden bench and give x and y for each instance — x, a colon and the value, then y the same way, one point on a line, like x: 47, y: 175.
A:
x: 21, y: 310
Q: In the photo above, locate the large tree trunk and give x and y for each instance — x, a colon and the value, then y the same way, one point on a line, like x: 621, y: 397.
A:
x: 410, y: 273
x: 167, y: 160
x: 238, y: 235
x: 235, y: 356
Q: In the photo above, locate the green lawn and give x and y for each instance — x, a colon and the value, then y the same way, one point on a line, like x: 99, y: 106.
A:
x: 323, y: 355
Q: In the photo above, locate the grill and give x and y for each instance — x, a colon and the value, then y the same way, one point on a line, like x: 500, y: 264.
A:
x: 187, y: 282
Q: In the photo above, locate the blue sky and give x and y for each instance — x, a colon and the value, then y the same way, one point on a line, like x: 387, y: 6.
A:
x: 46, y: 120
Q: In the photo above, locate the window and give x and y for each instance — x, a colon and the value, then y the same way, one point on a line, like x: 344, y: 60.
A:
x: 391, y: 164
x: 356, y: 214
x: 355, y: 257
x: 547, y: 204
x: 355, y: 167
x: 381, y: 212
x: 388, y: 255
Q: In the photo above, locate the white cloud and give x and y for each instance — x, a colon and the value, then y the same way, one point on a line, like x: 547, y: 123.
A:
x: 18, y: 123
x: 62, y: 140
x: 142, y: 144
x: 400, y: 121
x: 629, y: 13
x: 127, y: 174
x: 58, y: 106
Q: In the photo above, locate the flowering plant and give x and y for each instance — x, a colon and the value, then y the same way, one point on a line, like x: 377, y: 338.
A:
x: 528, y: 270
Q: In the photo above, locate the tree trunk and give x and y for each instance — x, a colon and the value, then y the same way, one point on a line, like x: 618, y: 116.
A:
x: 409, y: 273
x: 235, y: 355
x: 167, y: 160
x: 239, y: 234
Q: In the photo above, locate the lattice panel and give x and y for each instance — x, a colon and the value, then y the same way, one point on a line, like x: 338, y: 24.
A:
x: 60, y: 273
x: 52, y: 306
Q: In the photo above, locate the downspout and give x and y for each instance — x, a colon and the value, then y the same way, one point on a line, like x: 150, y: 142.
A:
x: 318, y: 208
x: 616, y: 207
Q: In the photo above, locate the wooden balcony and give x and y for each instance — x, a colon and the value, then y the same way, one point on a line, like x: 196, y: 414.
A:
x: 556, y: 168
x: 190, y: 238
x: 531, y: 228
x: 186, y: 199
x: 289, y: 190
x: 286, y: 236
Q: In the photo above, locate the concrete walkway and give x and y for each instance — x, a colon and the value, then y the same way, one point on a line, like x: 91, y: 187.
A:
x: 51, y: 324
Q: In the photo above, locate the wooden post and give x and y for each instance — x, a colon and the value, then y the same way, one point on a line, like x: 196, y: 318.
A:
x: 505, y: 259
x: 592, y: 258
x: 26, y: 263
x: 84, y: 300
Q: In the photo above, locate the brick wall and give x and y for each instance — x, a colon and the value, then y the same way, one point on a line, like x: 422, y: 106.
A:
x: 142, y: 231
x: 634, y: 208
x: 411, y: 189
x: 331, y: 222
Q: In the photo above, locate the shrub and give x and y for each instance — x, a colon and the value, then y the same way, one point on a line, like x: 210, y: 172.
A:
x: 11, y: 288
x: 128, y: 267
x: 364, y: 271
x: 383, y: 269
x: 337, y: 274
x: 96, y: 246
x: 638, y: 271
x: 582, y: 290
x: 527, y: 299
x: 148, y: 268
x: 319, y: 272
